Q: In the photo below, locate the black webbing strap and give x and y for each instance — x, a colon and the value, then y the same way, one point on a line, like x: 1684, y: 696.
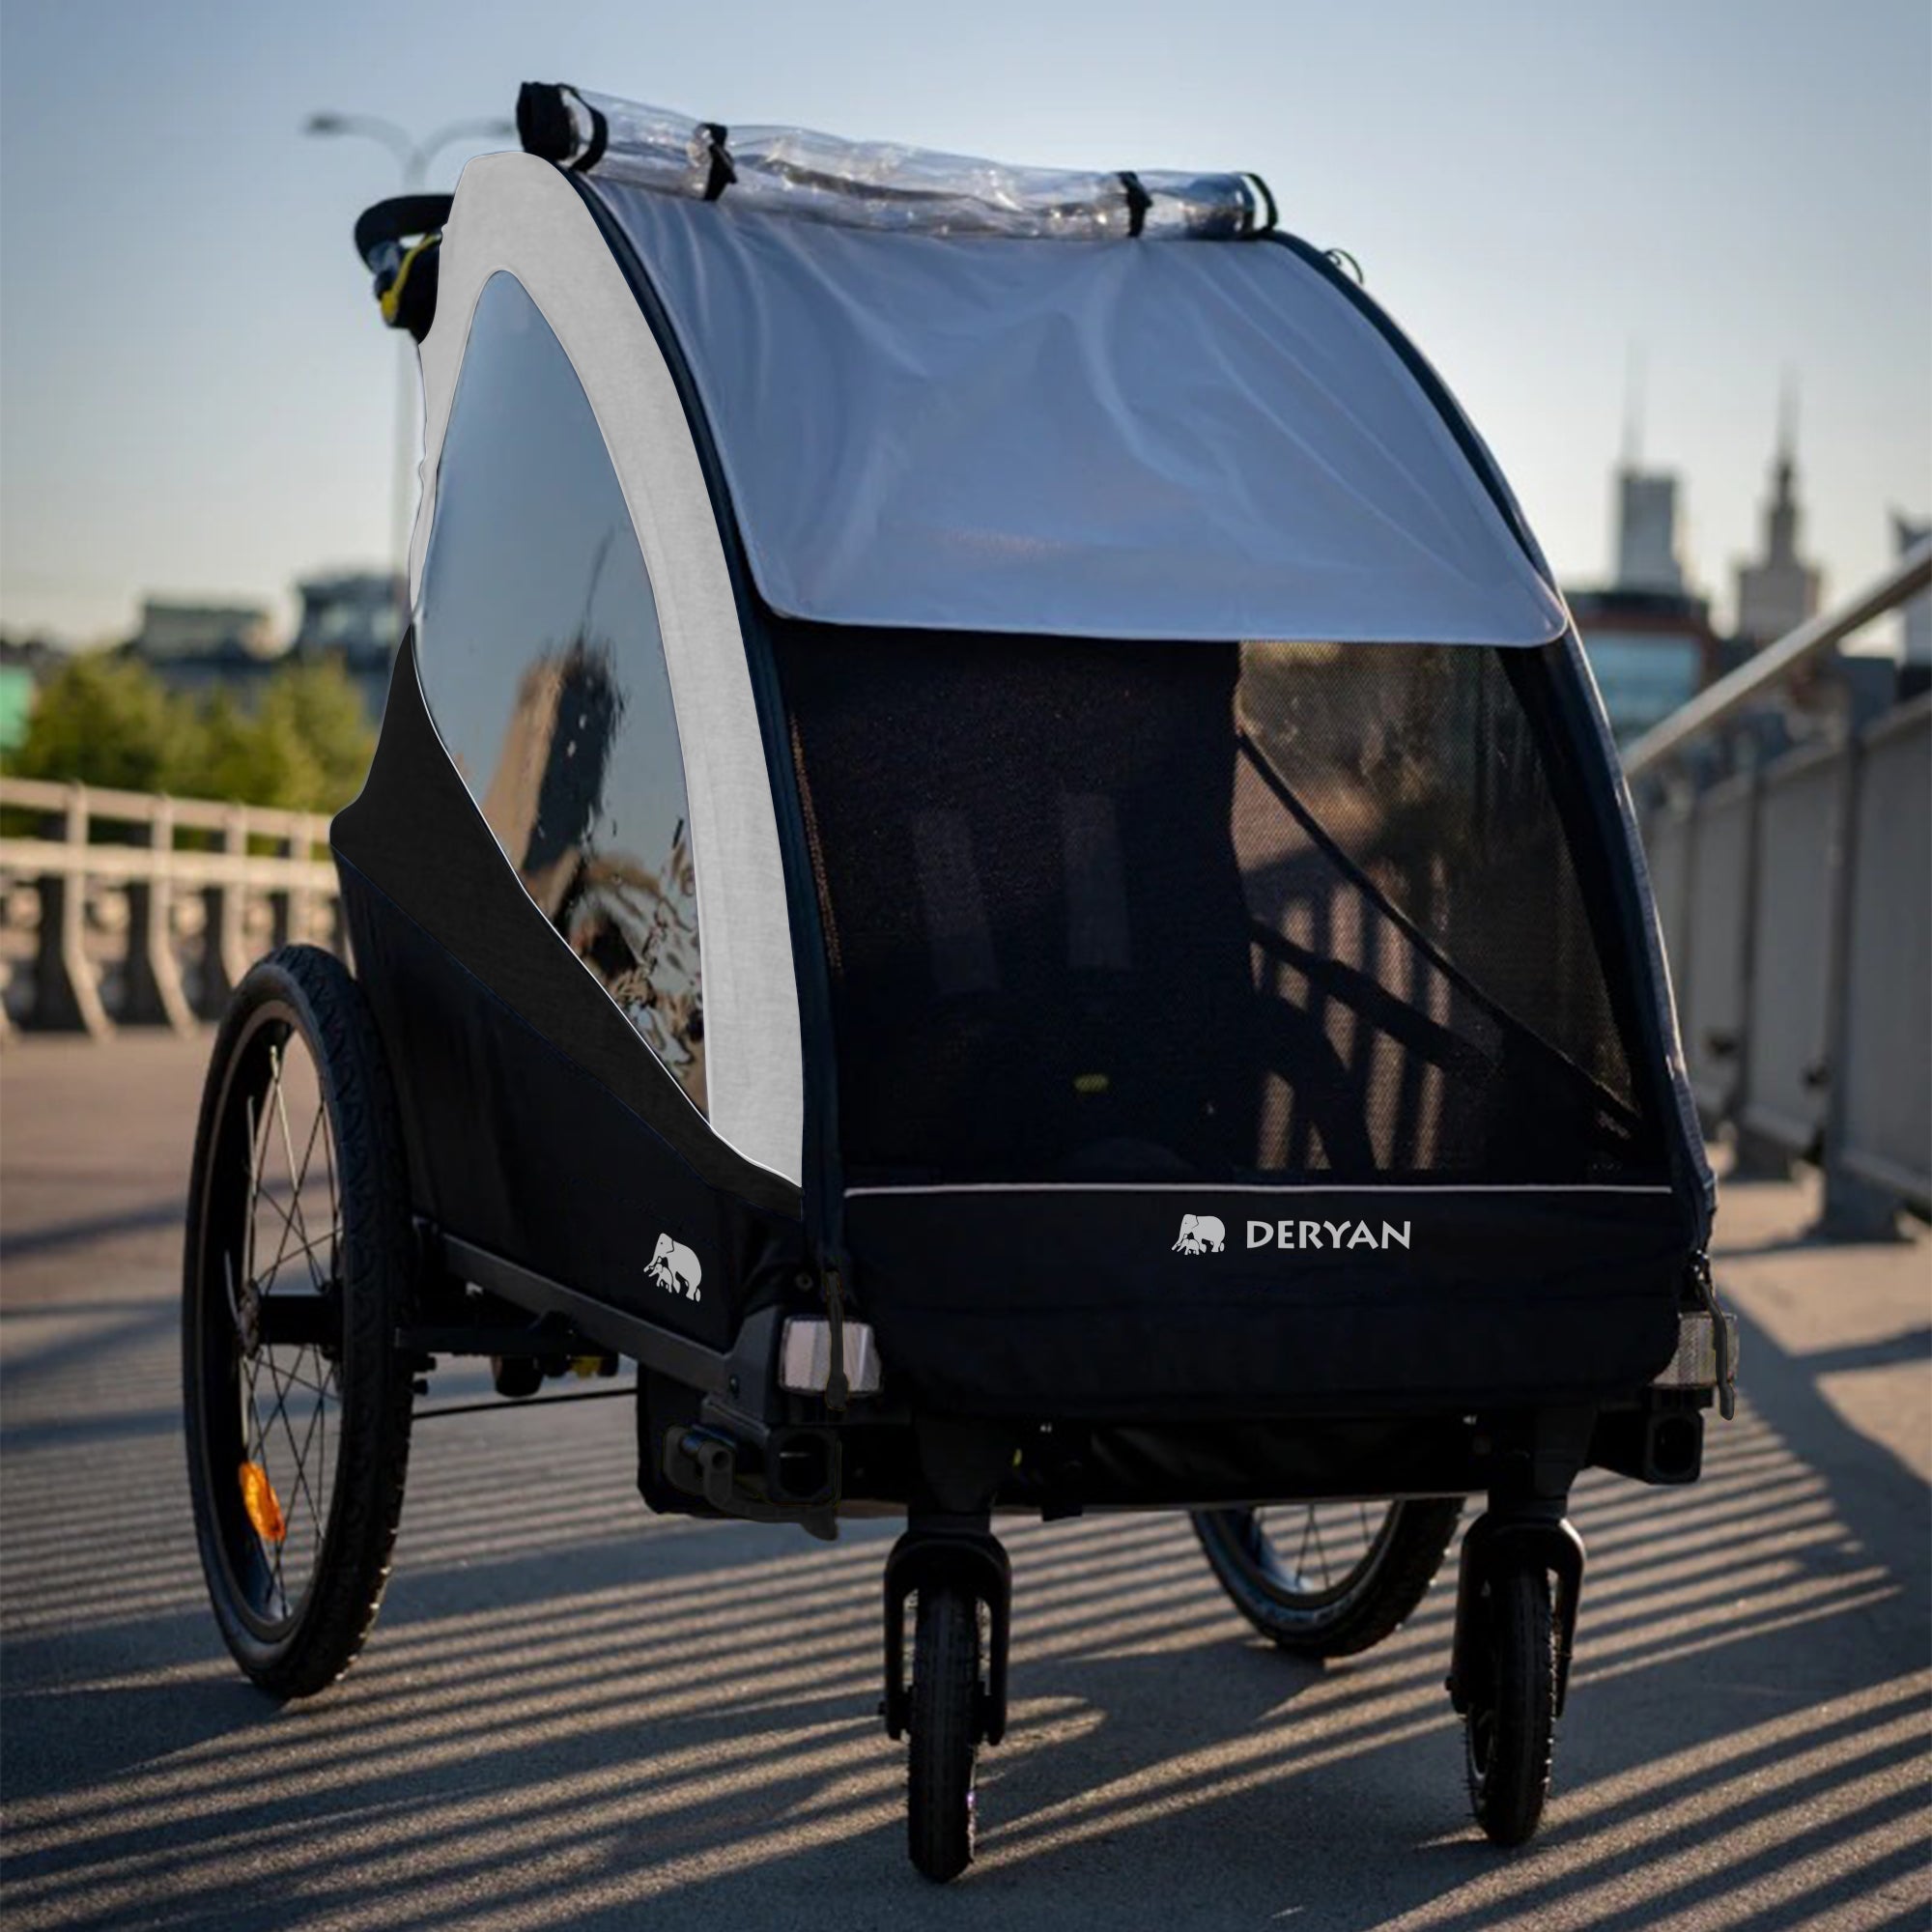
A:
x: 382, y: 230
x: 1269, y: 214
x: 547, y: 129
x: 722, y: 174
x: 1139, y: 201
x: 600, y: 138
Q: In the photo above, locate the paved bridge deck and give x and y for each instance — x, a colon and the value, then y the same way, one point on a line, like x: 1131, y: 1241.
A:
x: 573, y: 1713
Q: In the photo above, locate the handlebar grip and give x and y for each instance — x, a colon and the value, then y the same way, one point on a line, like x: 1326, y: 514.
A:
x: 382, y: 230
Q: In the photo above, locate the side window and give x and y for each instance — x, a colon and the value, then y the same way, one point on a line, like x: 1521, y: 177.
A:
x: 542, y: 662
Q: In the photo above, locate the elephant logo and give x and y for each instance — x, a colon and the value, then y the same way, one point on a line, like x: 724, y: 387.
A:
x: 673, y: 1265
x: 1201, y: 1234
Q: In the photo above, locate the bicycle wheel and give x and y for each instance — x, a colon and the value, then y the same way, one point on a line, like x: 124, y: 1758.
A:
x: 1329, y: 1579
x: 299, y: 1267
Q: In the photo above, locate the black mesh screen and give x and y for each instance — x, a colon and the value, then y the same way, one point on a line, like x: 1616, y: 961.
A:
x: 1099, y: 910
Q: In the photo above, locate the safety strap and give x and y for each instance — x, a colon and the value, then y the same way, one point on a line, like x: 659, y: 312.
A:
x: 405, y: 278
x: 389, y: 224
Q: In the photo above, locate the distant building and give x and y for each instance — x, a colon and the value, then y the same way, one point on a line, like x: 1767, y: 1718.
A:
x: 359, y: 614
x: 1647, y: 635
x: 1647, y: 556
x: 1649, y: 650
x: 1780, y: 591
x: 171, y: 630
x: 195, y: 648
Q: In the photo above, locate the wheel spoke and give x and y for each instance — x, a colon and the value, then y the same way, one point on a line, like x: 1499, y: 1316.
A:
x: 297, y: 1169
x: 1320, y: 1550
x: 306, y: 1372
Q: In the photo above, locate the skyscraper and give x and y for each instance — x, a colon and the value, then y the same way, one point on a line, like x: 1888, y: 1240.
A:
x: 1647, y: 556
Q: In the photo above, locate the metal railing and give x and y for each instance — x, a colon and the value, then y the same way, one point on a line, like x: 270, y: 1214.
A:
x: 125, y: 906
x: 1794, y: 898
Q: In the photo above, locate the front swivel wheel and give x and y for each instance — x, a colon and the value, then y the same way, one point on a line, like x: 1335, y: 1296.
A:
x: 943, y: 1718
x: 1509, y: 1725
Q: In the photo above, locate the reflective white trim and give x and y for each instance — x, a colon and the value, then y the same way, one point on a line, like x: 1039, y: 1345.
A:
x: 520, y: 216
x: 1208, y: 1187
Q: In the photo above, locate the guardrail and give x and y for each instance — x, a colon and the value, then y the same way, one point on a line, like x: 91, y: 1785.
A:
x: 110, y: 917
x: 1796, y: 903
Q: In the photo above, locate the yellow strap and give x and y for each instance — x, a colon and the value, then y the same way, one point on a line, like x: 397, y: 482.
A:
x: 391, y: 298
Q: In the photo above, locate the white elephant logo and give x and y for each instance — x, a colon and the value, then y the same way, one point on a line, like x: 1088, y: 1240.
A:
x: 674, y: 1266
x: 1201, y: 1234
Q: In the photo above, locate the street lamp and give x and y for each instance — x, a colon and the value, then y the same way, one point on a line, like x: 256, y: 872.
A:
x: 413, y: 157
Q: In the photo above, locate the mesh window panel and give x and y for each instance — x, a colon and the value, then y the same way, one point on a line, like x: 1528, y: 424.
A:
x: 1140, y: 910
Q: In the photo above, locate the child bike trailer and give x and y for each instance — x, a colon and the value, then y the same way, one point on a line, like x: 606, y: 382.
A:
x: 993, y: 856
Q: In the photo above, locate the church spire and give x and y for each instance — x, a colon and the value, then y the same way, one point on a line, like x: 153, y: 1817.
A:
x: 1780, y: 524
x: 1779, y: 590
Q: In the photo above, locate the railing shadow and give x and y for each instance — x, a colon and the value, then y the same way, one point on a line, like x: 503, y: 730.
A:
x: 573, y: 1715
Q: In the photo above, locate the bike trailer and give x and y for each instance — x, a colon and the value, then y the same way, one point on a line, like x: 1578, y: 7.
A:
x: 993, y: 853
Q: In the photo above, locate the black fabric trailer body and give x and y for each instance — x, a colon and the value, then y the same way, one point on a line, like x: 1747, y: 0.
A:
x: 538, y: 1125
x: 1057, y: 1036
x: 1282, y: 942
x: 1071, y: 1301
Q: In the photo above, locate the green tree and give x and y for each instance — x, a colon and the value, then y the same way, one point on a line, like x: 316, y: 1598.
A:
x: 314, y: 705
x: 107, y: 721
x: 246, y: 760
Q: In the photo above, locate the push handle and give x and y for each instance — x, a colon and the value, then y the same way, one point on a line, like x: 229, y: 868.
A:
x: 405, y: 275
x: 382, y: 230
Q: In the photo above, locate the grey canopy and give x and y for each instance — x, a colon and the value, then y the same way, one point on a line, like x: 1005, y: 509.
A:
x: 1086, y: 438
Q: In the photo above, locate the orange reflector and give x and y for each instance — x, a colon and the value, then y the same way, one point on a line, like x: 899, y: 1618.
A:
x: 264, y: 1506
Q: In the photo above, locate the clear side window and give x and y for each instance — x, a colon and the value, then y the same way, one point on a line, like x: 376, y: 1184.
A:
x: 542, y: 662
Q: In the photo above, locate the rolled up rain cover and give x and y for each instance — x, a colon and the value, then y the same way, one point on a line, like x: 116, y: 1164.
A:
x: 877, y: 184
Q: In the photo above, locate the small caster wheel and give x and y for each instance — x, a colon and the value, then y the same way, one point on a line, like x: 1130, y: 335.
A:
x: 1509, y: 1731
x: 943, y: 1720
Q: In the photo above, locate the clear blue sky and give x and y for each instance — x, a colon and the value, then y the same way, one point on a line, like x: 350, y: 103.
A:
x: 195, y: 396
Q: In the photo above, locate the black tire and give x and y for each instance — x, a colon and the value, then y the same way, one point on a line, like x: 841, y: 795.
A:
x: 295, y: 1581
x: 1382, y: 1570
x: 944, y: 1726
x: 1509, y: 1731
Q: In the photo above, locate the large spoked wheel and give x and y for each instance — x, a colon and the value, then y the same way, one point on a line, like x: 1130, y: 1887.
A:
x: 1328, y: 1580
x: 1510, y: 1727
x: 299, y: 1267
x: 943, y: 1720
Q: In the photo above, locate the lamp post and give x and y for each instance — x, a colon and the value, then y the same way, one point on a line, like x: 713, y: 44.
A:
x: 414, y: 158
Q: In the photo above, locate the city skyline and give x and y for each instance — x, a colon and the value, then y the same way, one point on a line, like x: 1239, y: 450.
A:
x: 205, y: 409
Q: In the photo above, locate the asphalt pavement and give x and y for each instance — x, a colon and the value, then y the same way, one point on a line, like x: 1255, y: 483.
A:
x: 574, y: 1714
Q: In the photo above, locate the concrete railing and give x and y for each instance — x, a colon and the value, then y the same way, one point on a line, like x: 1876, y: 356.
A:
x: 1796, y: 903
x: 130, y: 908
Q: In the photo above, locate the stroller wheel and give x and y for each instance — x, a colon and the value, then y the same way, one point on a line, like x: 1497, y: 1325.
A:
x: 944, y: 1726
x: 1508, y: 1730
x: 298, y: 1267
x: 1328, y: 1580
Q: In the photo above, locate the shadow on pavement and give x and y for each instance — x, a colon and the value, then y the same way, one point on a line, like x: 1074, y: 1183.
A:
x: 573, y: 1715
